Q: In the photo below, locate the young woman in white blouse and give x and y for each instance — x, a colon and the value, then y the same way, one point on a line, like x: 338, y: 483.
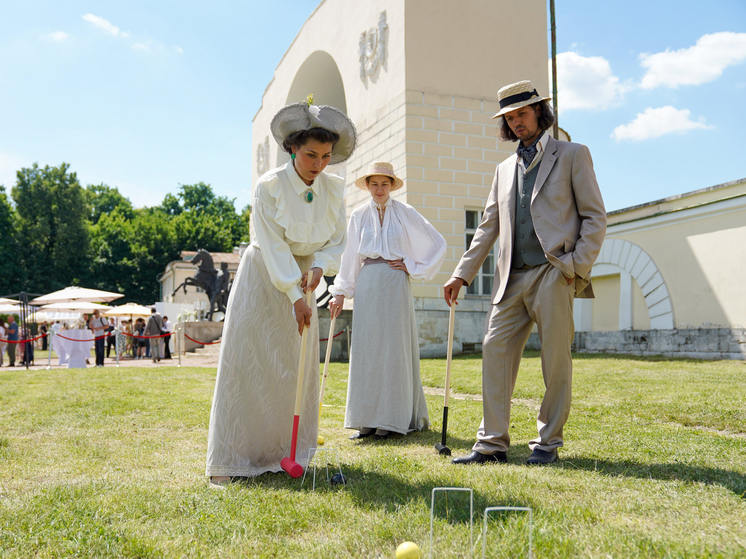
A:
x: 388, y: 242
x: 297, y: 235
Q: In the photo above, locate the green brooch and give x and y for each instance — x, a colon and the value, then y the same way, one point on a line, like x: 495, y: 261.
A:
x: 309, y: 196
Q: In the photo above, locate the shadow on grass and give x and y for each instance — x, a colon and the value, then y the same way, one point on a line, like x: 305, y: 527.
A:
x: 733, y: 481
x: 417, y: 438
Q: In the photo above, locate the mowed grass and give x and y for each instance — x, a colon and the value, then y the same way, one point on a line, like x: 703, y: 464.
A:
x: 110, y: 463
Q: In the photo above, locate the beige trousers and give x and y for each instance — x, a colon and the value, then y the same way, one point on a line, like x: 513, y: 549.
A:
x: 538, y: 295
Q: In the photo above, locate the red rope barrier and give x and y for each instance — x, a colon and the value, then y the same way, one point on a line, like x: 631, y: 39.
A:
x: 23, y: 341
x: 146, y: 337
x: 334, y: 336
x: 202, y: 343
x: 75, y: 340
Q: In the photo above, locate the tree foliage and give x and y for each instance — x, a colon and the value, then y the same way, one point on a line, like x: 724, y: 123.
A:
x: 96, y: 238
x: 52, y: 227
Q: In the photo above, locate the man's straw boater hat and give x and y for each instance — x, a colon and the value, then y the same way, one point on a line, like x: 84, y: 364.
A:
x: 515, y: 96
x: 380, y: 168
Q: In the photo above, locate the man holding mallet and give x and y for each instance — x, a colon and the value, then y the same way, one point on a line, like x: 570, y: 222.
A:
x: 547, y: 216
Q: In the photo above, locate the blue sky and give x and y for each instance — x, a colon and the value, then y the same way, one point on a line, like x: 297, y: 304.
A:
x: 145, y: 96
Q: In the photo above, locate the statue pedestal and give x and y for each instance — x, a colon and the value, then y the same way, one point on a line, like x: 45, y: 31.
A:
x: 201, y: 331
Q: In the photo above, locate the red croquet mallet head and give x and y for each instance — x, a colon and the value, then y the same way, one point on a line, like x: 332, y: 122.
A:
x: 291, y: 467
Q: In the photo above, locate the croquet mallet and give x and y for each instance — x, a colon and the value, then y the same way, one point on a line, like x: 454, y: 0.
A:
x: 441, y: 447
x: 329, y: 340
x: 288, y: 463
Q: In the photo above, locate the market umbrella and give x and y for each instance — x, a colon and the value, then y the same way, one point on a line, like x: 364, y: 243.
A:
x: 4, y: 301
x: 80, y: 306
x: 7, y: 308
x: 130, y: 309
x: 77, y: 294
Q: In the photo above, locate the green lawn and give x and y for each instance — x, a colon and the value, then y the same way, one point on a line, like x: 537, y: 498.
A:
x: 110, y: 462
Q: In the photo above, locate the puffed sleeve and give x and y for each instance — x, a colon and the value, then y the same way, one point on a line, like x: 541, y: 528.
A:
x: 327, y: 258
x: 427, y: 247
x: 283, y: 270
x: 344, y: 283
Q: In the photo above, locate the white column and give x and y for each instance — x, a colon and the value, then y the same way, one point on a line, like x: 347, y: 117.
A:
x: 583, y: 315
x: 625, y: 301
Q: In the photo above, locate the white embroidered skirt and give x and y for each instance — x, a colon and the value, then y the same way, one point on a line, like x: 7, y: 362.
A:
x: 251, y: 419
x: 385, y: 390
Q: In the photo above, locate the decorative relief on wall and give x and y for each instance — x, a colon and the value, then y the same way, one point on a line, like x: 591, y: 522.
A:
x: 372, y: 47
x: 262, y: 157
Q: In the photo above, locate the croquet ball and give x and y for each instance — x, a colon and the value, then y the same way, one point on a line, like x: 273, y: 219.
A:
x: 338, y: 479
x: 408, y: 550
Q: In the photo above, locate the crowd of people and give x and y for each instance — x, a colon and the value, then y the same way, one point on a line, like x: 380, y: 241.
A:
x: 103, y: 331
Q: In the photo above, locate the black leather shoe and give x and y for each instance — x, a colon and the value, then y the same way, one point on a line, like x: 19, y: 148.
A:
x: 382, y: 437
x: 542, y: 457
x: 361, y: 435
x: 478, y: 458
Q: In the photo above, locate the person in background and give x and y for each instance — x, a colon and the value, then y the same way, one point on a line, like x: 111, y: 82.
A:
x: 2, y: 343
x: 111, y: 338
x: 98, y: 325
x: 154, y: 327
x: 11, y: 331
x: 167, y: 340
x: 43, y: 330
x: 140, y: 343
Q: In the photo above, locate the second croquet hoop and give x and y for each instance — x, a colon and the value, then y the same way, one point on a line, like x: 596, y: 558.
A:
x: 330, y: 340
x: 289, y: 464
x: 441, y: 447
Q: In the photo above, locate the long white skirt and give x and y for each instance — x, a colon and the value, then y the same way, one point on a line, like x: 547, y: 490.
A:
x: 251, y: 419
x: 385, y: 390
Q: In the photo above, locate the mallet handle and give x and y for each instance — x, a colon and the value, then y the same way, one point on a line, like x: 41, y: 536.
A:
x: 330, y: 339
x: 302, y: 360
x: 449, y: 354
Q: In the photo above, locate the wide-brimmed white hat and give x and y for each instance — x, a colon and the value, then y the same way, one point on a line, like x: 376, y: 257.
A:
x: 306, y: 115
x: 380, y: 168
x: 517, y: 95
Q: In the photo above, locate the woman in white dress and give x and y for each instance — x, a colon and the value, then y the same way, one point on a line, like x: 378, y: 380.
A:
x: 388, y: 242
x: 297, y: 235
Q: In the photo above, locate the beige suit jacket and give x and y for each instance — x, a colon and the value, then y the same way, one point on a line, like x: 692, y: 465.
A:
x: 567, y: 210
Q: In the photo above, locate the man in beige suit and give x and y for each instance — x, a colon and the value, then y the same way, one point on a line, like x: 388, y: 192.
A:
x: 546, y: 214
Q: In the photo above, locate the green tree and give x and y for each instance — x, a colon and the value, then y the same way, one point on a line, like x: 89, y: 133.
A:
x: 103, y: 199
x: 12, y: 273
x: 154, y: 245
x: 52, y: 227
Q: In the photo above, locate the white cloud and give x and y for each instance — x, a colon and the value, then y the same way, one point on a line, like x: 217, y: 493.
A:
x: 179, y: 50
x: 702, y: 63
x: 585, y: 82
x: 653, y: 123
x: 105, y: 26
x: 140, y: 46
x: 56, y: 36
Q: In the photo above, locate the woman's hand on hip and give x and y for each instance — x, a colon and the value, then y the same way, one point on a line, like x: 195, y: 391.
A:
x: 302, y: 314
x: 311, y: 279
x: 398, y: 265
x: 335, y: 306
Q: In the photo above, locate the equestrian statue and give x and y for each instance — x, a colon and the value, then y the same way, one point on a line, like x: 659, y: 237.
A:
x: 215, y: 283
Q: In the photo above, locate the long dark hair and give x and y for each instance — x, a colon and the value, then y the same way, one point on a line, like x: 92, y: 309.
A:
x: 299, y: 138
x: 546, y: 120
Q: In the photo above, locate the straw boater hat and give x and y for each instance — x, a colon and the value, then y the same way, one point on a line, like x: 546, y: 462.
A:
x: 380, y: 168
x: 515, y: 96
x: 306, y: 115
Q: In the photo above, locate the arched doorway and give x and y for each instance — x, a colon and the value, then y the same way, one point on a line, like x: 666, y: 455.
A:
x: 630, y: 263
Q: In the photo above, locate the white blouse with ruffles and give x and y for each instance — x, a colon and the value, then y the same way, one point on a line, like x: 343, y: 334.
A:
x: 284, y: 224
x: 404, y: 235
